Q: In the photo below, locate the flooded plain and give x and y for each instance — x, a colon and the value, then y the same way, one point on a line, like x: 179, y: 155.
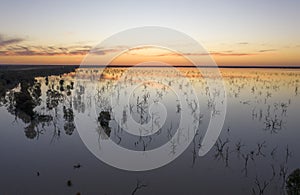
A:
x: 44, y: 152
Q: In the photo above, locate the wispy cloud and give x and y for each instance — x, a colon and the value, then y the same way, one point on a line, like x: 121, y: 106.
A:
x: 8, y: 41
x: 14, y: 47
x: 243, y: 43
x: 169, y: 53
x: 231, y: 54
x: 103, y: 51
x: 218, y: 54
x: 27, y: 50
x: 266, y: 50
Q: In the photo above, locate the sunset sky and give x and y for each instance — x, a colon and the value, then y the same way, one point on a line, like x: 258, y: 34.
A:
x: 257, y: 32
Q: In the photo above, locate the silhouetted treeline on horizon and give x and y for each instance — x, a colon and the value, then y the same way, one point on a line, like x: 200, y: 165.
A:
x: 12, y: 75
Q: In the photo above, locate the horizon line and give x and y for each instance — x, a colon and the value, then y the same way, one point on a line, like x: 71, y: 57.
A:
x: 166, y: 66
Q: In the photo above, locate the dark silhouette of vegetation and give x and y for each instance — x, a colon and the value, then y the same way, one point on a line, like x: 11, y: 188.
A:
x: 21, y: 92
x: 103, y: 119
x: 293, y: 183
x: 12, y: 75
x: 24, y: 101
x: 69, y: 125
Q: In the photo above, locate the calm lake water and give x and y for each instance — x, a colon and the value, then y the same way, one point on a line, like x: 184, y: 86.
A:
x: 257, y: 150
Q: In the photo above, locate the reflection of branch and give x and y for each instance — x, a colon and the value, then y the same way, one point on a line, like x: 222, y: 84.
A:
x: 169, y: 131
x: 273, y: 172
x: 273, y: 124
x: 119, y: 137
x: 194, y: 151
x: 227, y: 157
x: 138, y: 186
x: 238, y: 147
x: 173, y: 147
x: 252, y: 155
x: 261, y: 187
x: 245, y: 169
x: 193, y: 106
x: 259, y: 147
x: 283, y: 172
x: 220, y: 144
x: 273, y: 152
x: 220, y: 147
x: 200, y: 142
x: 287, y: 154
x: 56, y: 132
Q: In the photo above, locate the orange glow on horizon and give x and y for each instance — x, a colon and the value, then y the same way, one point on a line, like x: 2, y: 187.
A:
x: 150, y: 56
x: 133, y: 57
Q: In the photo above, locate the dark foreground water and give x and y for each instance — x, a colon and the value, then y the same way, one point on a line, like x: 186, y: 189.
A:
x: 257, y: 151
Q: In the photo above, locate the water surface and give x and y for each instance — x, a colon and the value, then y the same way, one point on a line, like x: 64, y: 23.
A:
x: 255, y: 153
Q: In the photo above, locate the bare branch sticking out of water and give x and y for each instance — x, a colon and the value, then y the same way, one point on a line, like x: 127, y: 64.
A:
x: 139, y: 185
x: 260, y: 186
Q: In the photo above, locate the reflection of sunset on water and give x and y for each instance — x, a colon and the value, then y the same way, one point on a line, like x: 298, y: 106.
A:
x: 259, y: 139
